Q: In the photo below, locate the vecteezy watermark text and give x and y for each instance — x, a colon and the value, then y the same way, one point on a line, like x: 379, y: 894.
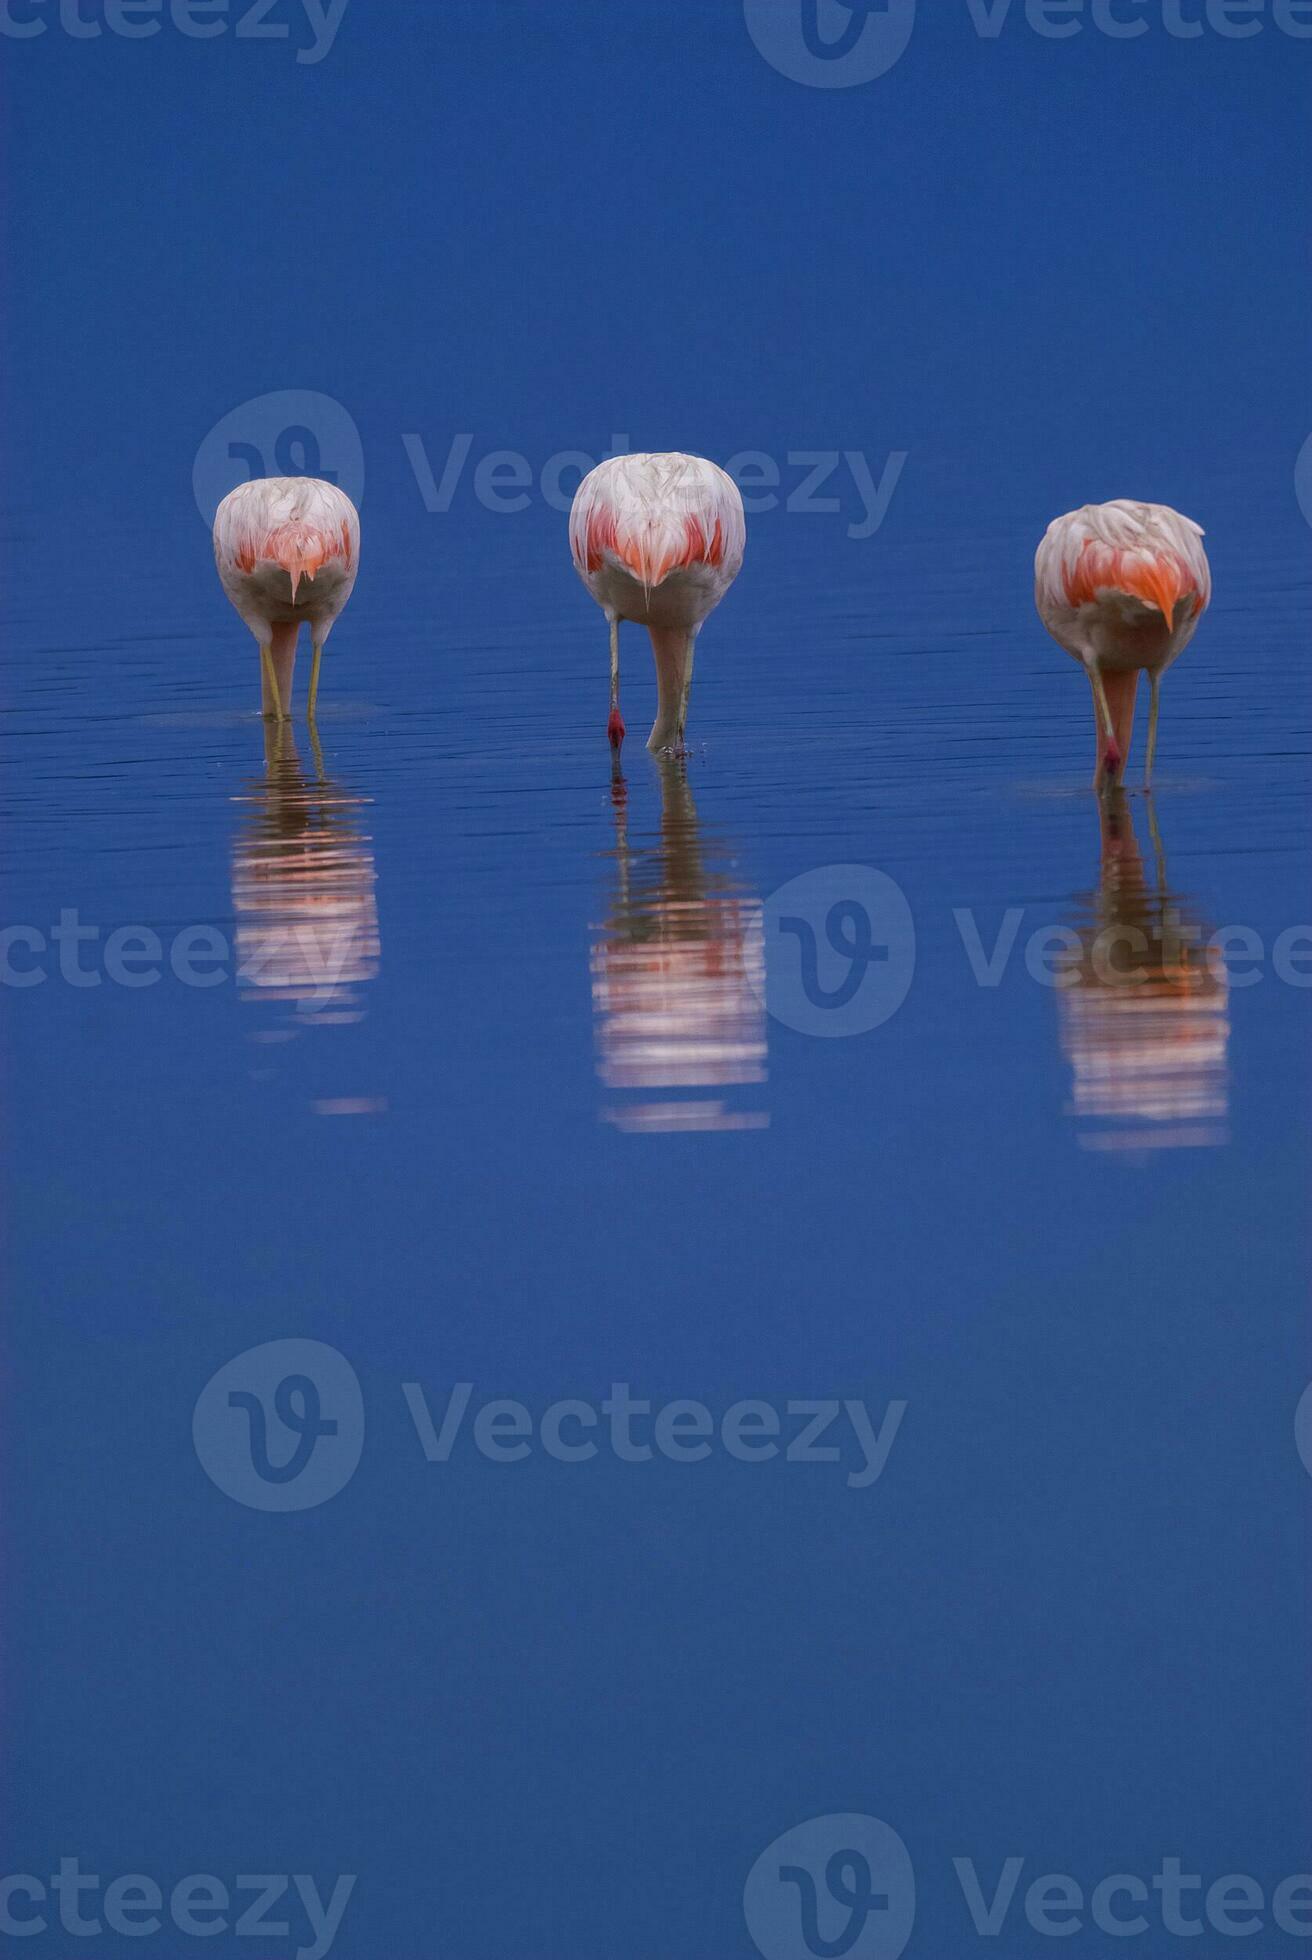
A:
x: 633, y: 1430
x: 274, y: 1906
x: 845, y: 1884
x: 280, y: 1427
x: 807, y: 482
x: 840, y: 952
x: 833, y: 44
x: 300, y: 432
x: 198, y: 20
x: 1130, y: 20
x: 202, y: 956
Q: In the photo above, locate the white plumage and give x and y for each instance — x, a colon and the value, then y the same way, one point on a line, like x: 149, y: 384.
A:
x: 1122, y: 587
x: 658, y: 539
x: 287, y: 550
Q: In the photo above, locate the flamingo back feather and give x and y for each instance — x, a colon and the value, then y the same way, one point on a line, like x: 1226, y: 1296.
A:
x: 1147, y: 550
x: 657, y: 514
x: 296, y: 522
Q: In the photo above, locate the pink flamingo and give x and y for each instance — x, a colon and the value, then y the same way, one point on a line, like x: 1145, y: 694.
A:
x: 1122, y: 586
x: 658, y: 540
x: 269, y: 536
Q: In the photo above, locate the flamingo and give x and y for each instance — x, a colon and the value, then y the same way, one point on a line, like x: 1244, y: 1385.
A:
x: 658, y: 540
x: 1122, y: 586
x: 270, y: 535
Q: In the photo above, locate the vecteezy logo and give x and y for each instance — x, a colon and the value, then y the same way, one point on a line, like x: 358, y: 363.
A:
x: 840, y: 950
x: 291, y: 433
x: 831, y: 43
x: 834, y: 1888
x: 1303, y: 1428
x: 281, y: 1428
x: 1303, y: 479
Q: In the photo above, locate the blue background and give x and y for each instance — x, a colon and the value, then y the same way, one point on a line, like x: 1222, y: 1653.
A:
x: 556, y: 1710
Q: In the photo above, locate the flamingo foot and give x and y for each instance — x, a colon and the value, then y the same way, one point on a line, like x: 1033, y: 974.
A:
x: 615, y: 730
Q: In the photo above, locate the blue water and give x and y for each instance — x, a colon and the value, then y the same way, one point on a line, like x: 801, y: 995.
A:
x: 506, y: 1075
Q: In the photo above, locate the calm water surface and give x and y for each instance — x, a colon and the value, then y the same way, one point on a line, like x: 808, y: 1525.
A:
x: 497, y: 1080
x: 490, y: 1082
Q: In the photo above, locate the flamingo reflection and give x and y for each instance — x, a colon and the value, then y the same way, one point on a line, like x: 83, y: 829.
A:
x: 677, y: 975
x: 1144, y: 1006
x: 303, y: 890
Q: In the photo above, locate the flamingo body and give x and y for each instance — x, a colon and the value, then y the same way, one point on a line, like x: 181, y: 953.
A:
x: 658, y: 539
x: 1122, y: 587
x: 287, y: 550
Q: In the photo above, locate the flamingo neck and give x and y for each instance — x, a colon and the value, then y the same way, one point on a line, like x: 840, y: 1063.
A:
x: 282, y: 639
x: 670, y: 645
x: 1121, y: 685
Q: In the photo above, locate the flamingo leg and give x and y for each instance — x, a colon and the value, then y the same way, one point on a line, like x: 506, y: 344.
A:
x: 685, y: 691
x: 1109, y: 726
x: 615, y: 726
x: 314, y: 679
x: 271, y: 693
x: 1154, y: 702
